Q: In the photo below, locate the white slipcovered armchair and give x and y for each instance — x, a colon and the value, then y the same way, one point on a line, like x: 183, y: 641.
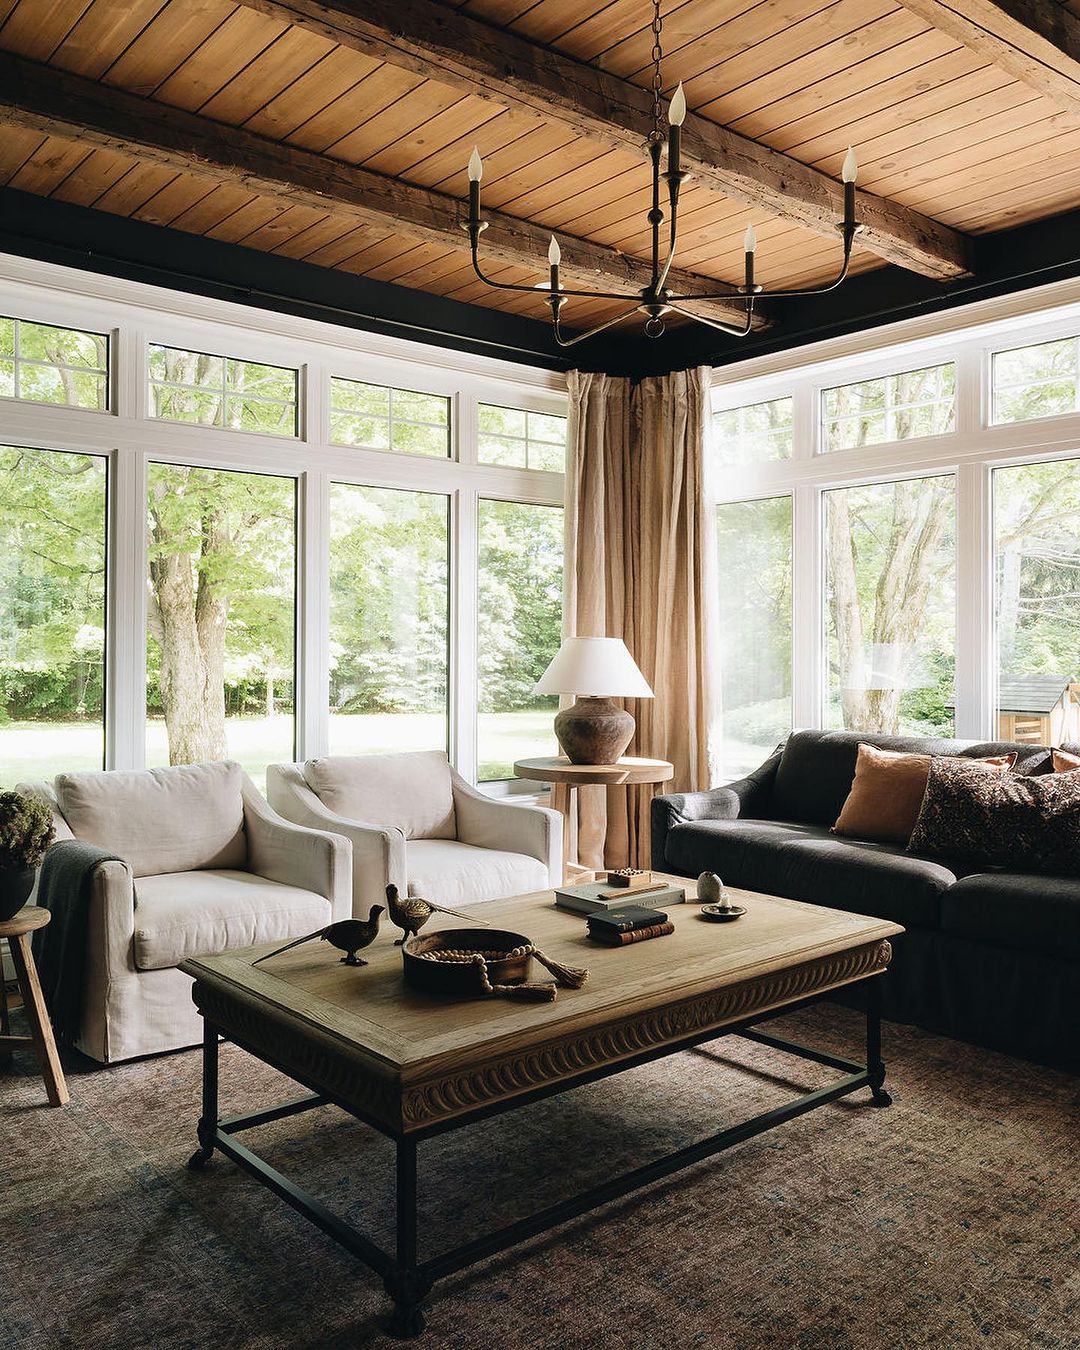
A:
x: 415, y: 822
x: 208, y: 867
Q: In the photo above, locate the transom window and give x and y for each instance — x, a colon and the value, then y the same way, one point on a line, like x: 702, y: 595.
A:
x: 521, y: 439
x: 40, y: 363
x: 754, y: 433
x: 222, y: 391
x: 898, y: 407
x: 376, y: 417
x: 1038, y: 381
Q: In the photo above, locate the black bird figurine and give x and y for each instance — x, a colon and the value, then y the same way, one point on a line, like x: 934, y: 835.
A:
x: 412, y: 913
x: 347, y: 935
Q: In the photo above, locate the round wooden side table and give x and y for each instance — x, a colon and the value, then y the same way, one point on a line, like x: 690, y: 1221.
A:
x: 17, y: 931
x: 564, y: 777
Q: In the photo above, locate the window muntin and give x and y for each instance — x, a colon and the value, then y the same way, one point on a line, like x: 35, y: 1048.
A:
x: 520, y: 439
x: 223, y: 391
x: 52, y: 613
x: 43, y: 363
x: 1042, y: 380
x: 389, y: 620
x: 519, y: 628
x: 377, y: 417
x: 901, y: 407
x: 754, y: 547
x: 221, y: 617
x: 890, y: 606
x: 1037, y: 600
x: 754, y: 433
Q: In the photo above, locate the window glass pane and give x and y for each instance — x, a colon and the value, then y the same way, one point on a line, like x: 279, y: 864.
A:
x: 755, y: 432
x: 389, y: 620
x: 1038, y: 381
x: 899, y: 407
x: 1037, y: 570
x: 52, y: 613
x: 519, y: 630
x: 891, y: 606
x: 221, y: 623
x: 45, y: 364
x: 402, y: 420
x: 218, y: 391
x: 754, y: 541
x: 521, y: 439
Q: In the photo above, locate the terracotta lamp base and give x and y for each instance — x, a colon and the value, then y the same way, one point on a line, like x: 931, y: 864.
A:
x: 594, y: 731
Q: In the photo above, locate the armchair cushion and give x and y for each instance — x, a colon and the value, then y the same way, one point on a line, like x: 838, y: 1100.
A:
x: 182, y: 914
x: 456, y: 874
x: 177, y: 819
x: 412, y: 791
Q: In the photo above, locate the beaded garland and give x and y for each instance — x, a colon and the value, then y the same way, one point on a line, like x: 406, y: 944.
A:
x: 568, y: 976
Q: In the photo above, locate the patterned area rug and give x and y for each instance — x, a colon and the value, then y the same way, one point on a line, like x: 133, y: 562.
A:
x: 945, y: 1222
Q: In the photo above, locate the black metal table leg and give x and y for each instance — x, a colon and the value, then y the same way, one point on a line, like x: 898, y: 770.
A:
x: 406, y: 1283
x: 875, y: 1065
x: 208, y: 1121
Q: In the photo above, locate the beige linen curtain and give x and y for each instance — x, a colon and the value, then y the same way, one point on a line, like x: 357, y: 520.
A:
x: 640, y: 565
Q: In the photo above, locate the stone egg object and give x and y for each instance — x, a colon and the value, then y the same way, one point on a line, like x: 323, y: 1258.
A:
x: 710, y: 888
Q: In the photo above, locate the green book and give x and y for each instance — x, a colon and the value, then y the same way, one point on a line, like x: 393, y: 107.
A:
x: 595, y: 897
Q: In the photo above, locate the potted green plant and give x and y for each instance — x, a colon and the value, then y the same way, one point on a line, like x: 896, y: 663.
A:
x: 26, y: 830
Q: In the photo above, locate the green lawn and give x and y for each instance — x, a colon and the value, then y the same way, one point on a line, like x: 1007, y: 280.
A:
x: 31, y: 750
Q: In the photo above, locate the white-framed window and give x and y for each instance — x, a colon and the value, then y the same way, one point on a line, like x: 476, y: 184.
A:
x: 898, y: 407
x: 44, y: 363
x: 223, y: 391
x: 1041, y: 380
x: 753, y: 433
x: 336, y: 585
x: 521, y: 438
x: 380, y: 417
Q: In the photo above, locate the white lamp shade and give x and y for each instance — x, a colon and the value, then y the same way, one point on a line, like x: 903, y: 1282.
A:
x: 594, y: 667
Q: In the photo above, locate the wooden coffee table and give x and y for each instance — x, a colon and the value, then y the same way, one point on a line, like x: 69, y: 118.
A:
x: 413, y: 1065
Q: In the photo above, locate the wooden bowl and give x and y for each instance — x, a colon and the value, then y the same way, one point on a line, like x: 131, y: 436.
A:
x: 460, y: 978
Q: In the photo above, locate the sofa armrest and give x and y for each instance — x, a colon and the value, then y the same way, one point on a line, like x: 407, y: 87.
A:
x: 378, y: 851
x: 746, y: 797
x: 486, y: 822
x: 313, y: 860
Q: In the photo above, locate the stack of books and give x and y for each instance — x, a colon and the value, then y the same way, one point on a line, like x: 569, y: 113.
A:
x: 631, y: 923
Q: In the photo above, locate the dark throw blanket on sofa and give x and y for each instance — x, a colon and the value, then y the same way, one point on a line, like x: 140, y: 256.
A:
x: 60, y: 947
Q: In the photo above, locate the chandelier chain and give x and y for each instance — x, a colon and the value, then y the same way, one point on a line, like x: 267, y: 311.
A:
x: 657, y: 80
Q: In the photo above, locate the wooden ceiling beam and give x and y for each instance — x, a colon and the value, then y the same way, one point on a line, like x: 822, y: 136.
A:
x: 451, y: 47
x: 1037, y: 42
x: 53, y: 102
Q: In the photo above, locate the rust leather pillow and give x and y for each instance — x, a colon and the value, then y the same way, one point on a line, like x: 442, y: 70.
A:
x: 985, y: 819
x: 887, y: 791
x: 1064, y: 762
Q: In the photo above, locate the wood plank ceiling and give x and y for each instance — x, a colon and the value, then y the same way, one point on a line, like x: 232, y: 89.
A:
x: 940, y: 128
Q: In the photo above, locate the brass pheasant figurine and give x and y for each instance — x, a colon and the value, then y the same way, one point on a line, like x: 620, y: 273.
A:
x: 412, y: 913
x: 347, y: 935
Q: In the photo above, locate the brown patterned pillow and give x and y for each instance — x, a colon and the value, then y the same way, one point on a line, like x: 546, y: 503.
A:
x: 987, y: 819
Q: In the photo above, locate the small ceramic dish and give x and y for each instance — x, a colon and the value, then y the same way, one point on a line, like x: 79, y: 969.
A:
x: 718, y: 914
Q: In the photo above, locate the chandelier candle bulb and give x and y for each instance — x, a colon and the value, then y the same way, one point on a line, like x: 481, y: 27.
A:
x: 676, y: 117
x: 849, y: 173
x: 554, y: 259
x: 476, y: 172
x: 749, y: 245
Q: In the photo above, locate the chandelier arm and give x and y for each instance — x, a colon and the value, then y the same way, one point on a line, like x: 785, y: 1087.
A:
x: 662, y: 280
x: 767, y: 294
x: 592, y: 332
x: 730, y: 329
x: 542, y: 290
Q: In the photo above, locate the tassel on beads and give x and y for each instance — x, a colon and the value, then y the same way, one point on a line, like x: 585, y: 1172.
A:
x: 570, y: 977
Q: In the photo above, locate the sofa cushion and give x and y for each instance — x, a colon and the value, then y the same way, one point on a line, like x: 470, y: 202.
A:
x: 456, y: 874
x: 817, y: 768
x: 1017, y: 911
x: 993, y: 820
x: 177, y: 819
x: 201, y: 913
x: 411, y: 791
x: 806, y: 862
x: 885, y: 797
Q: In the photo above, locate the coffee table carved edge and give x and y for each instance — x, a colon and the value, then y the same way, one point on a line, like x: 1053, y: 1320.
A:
x: 340, y: 1072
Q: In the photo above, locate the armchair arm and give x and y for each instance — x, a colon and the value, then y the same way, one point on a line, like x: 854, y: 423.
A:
x: 378, y: 851
x: 746, y: 797
x: 488, y: 823
x: 313, y: 860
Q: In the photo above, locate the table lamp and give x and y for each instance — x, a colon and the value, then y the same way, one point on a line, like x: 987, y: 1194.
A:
x: 596, y: 669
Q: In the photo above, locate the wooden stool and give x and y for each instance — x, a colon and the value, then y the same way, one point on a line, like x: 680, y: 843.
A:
x: 17, y: 931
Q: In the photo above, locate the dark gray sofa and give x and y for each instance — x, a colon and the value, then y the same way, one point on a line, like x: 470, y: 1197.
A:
x: 988, y: 957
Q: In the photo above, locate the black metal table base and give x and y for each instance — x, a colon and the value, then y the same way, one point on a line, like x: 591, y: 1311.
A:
x: 407, y: 1279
